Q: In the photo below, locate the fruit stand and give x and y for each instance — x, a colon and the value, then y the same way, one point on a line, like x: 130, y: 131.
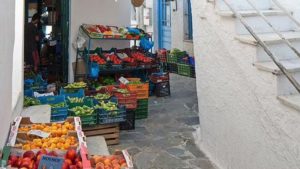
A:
x: 113, y: 61
x: 57, y: 145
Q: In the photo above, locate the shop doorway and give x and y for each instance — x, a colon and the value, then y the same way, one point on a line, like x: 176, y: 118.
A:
x: 164, y: 24
x: 53, y: 31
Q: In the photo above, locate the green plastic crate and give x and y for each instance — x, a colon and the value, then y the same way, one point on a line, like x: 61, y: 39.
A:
x: 171, y: 58
x: 142, y: 110
x: 184, y: 70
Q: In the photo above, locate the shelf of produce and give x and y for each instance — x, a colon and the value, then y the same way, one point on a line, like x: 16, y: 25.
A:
x: 108, y: 37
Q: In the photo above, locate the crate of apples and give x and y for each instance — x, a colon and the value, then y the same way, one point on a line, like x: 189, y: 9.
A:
x: 31, y: 160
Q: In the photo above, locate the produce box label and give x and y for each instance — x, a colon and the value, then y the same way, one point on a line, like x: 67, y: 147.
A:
x: 49, y: 162
x: 123, y: 80
x: 39, y: 133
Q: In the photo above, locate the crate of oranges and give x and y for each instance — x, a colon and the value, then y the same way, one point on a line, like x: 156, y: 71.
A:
x: 25, y: 135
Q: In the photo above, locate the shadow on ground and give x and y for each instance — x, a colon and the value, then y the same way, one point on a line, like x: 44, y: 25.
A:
x: 165, y: 139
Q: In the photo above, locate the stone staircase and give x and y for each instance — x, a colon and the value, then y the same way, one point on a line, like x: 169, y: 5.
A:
x: 286, y: 93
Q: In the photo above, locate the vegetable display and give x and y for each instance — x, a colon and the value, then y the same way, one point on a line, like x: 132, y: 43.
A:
x: 81, y: 111
x: 96, y: 58
x: 113, y: 58
x: 100, y: 96
x: 76, y: 100
x: 28, y: 101
x: 109, y: 106
x: 58, y: 105
x: 76, y: 85
x: 123, y: 91
x: 141, y: 57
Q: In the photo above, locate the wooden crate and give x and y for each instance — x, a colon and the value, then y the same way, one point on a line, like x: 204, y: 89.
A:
x: 110, y: 132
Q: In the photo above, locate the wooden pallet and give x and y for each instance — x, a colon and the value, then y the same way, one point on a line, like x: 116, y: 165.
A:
x: 111, y: 133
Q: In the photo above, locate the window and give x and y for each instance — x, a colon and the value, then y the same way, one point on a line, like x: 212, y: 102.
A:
x: 188, y: 23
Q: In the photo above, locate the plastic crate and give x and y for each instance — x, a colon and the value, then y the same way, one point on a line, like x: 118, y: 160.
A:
x: 171, y: 58
x: 52, y: 99
x: 86, y: 102
x: 160, y: 77
x: 184, y: 70
x: 162, y: 89
x: 129, y: 123
x: 87, y: 120
x: 128, y: 100
x: 192, y: 61
x: 172, y: 67
x: 193, y: 72
x: 142, y: 90
x: 72, y: 93
x: 28, y: 92
x: 142, y: 110
x: 59, y: 114
x: 113, y: 116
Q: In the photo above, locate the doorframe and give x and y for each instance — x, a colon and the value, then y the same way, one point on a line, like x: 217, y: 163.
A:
x: 65, y: 22
x: 160, y: 11
x: 159, y: 24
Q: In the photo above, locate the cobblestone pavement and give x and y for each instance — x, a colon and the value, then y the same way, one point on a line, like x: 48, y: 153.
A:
x: 165, y: 139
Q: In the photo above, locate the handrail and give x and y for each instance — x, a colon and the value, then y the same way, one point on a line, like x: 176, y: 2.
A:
x: 273, y: 28
x: 288, y: 75
x: 287, y: 12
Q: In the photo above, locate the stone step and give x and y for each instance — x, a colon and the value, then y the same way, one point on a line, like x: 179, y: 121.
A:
x: 280, y: 21
x: 292, y: 65
x: 249, y: 13
x: 280, y: 49
x: 269, y: 38
x: 292, y: 101
x: 243, y: 5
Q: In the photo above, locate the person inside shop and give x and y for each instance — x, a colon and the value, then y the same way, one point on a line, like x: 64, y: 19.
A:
x: 31, y: 42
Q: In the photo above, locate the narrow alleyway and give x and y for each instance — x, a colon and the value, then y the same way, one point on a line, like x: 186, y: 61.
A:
x: 165, y: 140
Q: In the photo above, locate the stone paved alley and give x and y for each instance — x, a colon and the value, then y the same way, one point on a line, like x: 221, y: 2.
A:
x: 165, y: 140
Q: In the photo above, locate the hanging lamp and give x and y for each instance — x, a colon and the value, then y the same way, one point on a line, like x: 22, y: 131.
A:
x: 137, y: 3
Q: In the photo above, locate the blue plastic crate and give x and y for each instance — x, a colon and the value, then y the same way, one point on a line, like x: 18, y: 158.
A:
x: 52, y: 99
x: 75, y: 93
x: 192, y: 61
x: 59, y: 114
x: 28, y: 92
x: 114, y: 116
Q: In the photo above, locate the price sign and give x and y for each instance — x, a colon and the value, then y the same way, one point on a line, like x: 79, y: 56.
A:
x: 49, y: 162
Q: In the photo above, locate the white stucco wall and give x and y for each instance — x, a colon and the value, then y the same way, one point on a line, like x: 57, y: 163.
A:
x: 242, y: 124
x: 7, y: 34
x: 178, y: 40
x: 107, y: 12
x: 18, y: 61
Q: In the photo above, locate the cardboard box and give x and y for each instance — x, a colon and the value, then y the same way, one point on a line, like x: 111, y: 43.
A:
x: 25, y: 121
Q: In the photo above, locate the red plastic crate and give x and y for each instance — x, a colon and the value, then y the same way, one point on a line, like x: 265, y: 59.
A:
x: 129, y: 100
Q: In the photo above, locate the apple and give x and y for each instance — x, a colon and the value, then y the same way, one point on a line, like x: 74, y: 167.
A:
x: 26, y: 163
x: 29, y: 154
x: 41, y: 152
x: 71, y: 154
x: 77, y: 159
x: 79, y: 165
x: 65, y: 166
x: 68, y: 161
x: 53, y: 154
x: 73, y: 167
x: 13, y: 161
x: 19, y: 162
